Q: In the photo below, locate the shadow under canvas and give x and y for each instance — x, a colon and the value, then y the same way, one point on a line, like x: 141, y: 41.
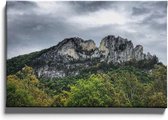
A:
x: 28, y: 110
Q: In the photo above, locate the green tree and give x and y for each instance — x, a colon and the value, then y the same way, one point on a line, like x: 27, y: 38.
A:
x: 96, y: 91
x: 158, y: 99
x: 22, y: 90
x: 130, y: 85
x: 17, y: 95
x: 159, y: 76
x: 92, y: 92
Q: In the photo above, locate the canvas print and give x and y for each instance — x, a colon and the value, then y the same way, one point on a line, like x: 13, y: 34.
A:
x: 86, y: 54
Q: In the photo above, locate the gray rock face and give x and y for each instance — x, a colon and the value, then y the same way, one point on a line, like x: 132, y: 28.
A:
x: 58, y: 60
x: 76, y: 48
x: 74, y: 54
x: 116, y: 50
x: 138, y: 52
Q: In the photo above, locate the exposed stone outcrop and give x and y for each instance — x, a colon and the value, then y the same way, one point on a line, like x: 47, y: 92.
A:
x: 73, y: 54
x: 57, y: 61
x: 77, y: 48
x: 116, y: 49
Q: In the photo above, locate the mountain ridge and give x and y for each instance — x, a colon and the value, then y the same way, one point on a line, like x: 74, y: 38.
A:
x: 71, y: 55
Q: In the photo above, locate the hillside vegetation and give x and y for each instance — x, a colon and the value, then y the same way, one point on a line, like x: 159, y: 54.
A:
x: 124, y: 86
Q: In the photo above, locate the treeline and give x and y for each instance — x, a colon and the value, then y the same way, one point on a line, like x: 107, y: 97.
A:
x: 120, y: 87
x: 17, y: 63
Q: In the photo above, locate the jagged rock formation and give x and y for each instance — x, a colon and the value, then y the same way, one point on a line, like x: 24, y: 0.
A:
x: 73, y: 54
x: 118, y: 50
x: 58, y: 60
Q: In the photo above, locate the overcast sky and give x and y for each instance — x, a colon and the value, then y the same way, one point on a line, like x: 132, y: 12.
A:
x: 32, y: 26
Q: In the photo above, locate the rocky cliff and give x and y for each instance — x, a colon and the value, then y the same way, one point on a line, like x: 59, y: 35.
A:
x: 73, y: 54
x: 118, y: 50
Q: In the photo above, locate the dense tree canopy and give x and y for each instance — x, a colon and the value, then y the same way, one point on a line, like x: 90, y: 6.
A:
x: 22, y: 90
x: 124, y: 86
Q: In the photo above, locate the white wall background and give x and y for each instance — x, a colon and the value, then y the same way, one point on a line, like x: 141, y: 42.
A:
x: 4, y: 116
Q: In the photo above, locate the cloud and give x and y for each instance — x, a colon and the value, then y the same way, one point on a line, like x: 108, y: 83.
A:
x: 99, y: 18
x: 89, y: 6
x: 33, y: 26
x: 139, y: 11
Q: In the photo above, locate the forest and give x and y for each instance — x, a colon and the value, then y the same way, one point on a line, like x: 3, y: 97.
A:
x: 115, y: 86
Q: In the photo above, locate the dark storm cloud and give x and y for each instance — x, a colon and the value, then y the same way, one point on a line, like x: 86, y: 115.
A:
x: 89, y: 6
x: 157, y: 18
x: 20, y: 5
x: 161, y: 5
x: 147, y: 7
x: 34, y: 31
x: 139, y: 11
x: 34, y: 26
